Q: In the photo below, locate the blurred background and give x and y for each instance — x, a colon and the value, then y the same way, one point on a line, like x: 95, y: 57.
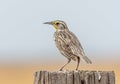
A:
x: 27, y: 45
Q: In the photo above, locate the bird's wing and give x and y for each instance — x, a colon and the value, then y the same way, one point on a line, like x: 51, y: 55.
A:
x: 80, y: 48
x: 71, y: 44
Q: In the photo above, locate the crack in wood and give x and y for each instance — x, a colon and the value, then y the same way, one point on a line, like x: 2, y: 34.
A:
x: 74, y: 77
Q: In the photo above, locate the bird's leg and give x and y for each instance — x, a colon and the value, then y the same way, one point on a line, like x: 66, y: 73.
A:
x: 65, y: 64
x: 78, y: 62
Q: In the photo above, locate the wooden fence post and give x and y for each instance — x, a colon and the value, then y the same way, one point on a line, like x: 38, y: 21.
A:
x: 74, y: 77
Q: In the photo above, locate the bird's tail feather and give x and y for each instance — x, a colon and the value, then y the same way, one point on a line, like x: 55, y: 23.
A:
x: 87, y: 59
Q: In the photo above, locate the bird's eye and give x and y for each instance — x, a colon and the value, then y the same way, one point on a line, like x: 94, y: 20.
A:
x: 57, y: 23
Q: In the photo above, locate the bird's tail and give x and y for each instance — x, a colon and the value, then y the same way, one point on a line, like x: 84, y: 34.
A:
x: 87, y: 59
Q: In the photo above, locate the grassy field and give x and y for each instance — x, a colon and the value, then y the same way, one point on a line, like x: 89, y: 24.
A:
x: 25, y: 74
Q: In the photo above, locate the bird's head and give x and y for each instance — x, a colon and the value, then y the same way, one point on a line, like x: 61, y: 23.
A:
x: 58, y: 24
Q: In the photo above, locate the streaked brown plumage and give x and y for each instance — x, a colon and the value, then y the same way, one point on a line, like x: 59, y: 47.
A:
x: 67, y: 43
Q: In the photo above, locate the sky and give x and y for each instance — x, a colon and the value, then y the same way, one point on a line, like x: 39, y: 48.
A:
x: 25, y: 39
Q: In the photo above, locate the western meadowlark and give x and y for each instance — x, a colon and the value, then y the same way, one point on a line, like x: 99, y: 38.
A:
x: 67, y: 43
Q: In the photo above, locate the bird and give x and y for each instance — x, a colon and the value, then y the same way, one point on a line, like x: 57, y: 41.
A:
x: 67, y: 43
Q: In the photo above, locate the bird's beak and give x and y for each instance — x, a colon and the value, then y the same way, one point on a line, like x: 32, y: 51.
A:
x: 50, y: 23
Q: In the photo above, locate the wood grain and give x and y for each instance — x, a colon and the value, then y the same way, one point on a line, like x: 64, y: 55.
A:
x: 74, y: 77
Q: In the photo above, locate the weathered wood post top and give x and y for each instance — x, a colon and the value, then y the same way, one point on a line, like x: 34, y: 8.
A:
x: 74, y: 77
